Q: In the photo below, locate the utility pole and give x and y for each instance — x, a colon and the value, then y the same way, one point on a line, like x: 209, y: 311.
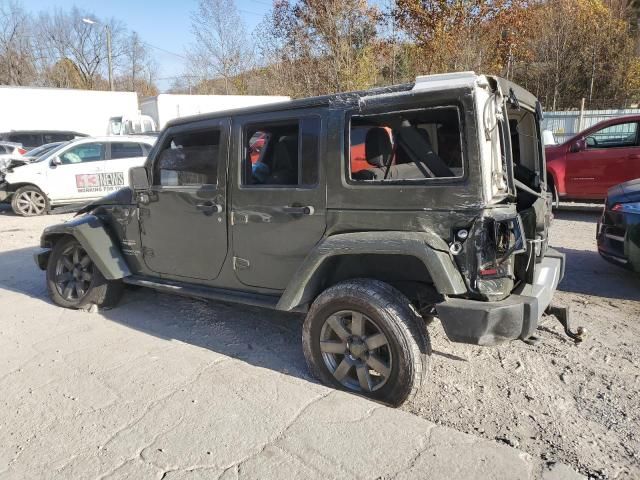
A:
x: 107, y: 30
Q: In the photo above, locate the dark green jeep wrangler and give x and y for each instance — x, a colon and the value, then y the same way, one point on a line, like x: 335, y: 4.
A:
x: 373, y: 212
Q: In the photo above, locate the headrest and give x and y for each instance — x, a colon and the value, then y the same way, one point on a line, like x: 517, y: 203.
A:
x: 377, y: 147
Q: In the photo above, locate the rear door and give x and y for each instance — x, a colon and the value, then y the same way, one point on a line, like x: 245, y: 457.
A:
x: 183, y: 216
x: 123, y: 156
x: 611, y: 156
x: 77, y: 177
x: 279, y: 198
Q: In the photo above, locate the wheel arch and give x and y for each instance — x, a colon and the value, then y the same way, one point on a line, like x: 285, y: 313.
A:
x: 408, y: 260
x: 94, y: 237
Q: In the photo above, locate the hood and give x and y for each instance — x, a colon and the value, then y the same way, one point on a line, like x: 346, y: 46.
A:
x: 624, y: 193
x: 20, y: 170
x: 124, y: 196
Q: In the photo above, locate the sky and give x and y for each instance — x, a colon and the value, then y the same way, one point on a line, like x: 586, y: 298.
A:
x: 163, y: 24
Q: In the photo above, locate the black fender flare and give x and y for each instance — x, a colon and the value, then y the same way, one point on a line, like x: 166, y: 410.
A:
x: 425, y: 246
x: 92, y: 234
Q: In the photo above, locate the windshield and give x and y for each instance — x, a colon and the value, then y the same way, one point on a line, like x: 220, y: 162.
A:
x: 52, y: 152
x: 41, y: 150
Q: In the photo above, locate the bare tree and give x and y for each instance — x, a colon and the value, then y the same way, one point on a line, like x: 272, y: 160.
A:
x: 16, y: 53
x: 221, y: 47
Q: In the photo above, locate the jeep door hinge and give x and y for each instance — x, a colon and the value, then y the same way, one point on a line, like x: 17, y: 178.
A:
x: 240, y: 263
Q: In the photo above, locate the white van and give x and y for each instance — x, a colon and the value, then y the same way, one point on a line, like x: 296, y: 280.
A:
x: 77, y: 171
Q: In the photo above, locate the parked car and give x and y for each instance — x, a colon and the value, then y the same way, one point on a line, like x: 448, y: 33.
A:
x: 34, y: 138
x: 619, y: 227
x: 588, y: 164
x: 433, y: 225
x: 9, y: 151
x: 76, y: 171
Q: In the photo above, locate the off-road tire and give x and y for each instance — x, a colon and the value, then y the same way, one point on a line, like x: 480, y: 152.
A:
x: 408, y: 341
x: 20, y: 195
x: 101, y: 292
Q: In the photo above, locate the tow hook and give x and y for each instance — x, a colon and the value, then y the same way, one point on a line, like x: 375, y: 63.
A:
x: 562, y: 314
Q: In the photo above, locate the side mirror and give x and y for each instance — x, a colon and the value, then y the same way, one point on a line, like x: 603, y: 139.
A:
x: 578, y: 146
x: 139, y: 178
x: 56, y: 161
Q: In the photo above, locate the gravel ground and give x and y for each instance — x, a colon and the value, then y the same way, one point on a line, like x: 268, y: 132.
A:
x: 557, y: 401
x: 578, y: 405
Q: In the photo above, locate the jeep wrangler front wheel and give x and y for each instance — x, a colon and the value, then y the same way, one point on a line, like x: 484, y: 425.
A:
x: 74, y: 281
x: 363, y: 336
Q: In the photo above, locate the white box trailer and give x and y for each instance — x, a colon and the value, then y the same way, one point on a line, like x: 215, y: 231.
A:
x: 82, y: 111
x: 165, y: 107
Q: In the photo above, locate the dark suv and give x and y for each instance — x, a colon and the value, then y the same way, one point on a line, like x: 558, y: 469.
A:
x: 434, y: 223
x: 35, y: 138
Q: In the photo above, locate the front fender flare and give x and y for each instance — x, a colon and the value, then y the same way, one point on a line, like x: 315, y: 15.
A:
x: 92, y: 234
x: 427, y: 247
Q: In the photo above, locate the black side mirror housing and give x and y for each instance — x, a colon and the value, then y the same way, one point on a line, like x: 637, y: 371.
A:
x: 139, y: 178
x: 578, y: 146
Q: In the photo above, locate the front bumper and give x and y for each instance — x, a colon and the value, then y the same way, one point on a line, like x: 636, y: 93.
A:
x: 516, y: 317
x: 618, y: 238
x: 4, y: 190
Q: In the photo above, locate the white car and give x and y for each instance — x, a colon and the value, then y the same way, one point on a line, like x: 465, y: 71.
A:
x: 77, y: 171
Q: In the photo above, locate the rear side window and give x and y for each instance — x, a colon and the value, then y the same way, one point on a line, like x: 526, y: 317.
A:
x: 28, y: 140
x: 126, y: 150
x: 189, y: 159
x: 415, y: 145
x: 281, y: 153
x: 57, y: 137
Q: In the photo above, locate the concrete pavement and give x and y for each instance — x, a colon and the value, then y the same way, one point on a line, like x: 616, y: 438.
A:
x: 171, y: 388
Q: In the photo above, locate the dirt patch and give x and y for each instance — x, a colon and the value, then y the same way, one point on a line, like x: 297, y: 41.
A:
x: 579, y: 405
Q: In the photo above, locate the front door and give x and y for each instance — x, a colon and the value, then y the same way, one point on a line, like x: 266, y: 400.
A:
x: 278, y: 198
x: 183, y: 216
x: 76, y: 176
x: 607, y: 160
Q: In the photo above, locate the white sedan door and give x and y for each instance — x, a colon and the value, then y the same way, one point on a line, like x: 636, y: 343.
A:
x: 77, y: 177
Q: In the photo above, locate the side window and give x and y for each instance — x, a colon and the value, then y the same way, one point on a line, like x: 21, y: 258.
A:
x: 613, y: 136
x: 28, y: 140
x: 126, y: 150
x: 86, y: 152
x: 188, y: 159
x: 281, y: 153
x: 406, y: 146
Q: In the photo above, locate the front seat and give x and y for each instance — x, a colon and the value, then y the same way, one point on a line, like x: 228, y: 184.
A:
x: 378, y: 152
x: 285, y: 162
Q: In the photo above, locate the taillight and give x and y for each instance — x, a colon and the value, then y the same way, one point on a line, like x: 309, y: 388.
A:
x: 617, y: 207
x: 21, y: 151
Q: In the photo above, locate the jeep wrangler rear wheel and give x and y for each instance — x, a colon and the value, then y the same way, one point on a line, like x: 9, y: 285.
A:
x: 363, y: 336
x: 74, y: 281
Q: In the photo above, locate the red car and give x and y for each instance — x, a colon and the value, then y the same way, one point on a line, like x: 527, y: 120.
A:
x: 588, y: 164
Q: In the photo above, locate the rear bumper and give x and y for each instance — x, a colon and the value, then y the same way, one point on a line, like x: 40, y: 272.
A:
x: 515, y: 317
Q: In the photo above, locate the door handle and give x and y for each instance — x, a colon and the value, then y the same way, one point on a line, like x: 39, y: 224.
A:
x: 307, y: 210
x: 209, y: 207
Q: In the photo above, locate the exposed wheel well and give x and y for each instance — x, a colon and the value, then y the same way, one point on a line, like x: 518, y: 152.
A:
x: 405, y: 272
x: 52, y: 239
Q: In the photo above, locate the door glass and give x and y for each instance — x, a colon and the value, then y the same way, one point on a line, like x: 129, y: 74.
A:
x: 619, y: 135
x: 126, y: 150
x: 406, y: 146
x: 189, y: 159
x: 86, y: 152
x: 281, y: 154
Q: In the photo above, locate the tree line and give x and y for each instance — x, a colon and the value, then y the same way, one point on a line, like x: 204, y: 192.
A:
x: 68, y: 49
x: 561, y: 50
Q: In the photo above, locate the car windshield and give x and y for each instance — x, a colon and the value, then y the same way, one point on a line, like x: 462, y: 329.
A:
x: 51, y: 152
x: 41, y: 150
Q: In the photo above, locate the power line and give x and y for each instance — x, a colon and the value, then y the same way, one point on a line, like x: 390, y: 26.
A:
x: 164, y: 50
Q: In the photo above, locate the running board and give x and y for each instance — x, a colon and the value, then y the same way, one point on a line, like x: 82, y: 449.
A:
x: 211, y: 293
